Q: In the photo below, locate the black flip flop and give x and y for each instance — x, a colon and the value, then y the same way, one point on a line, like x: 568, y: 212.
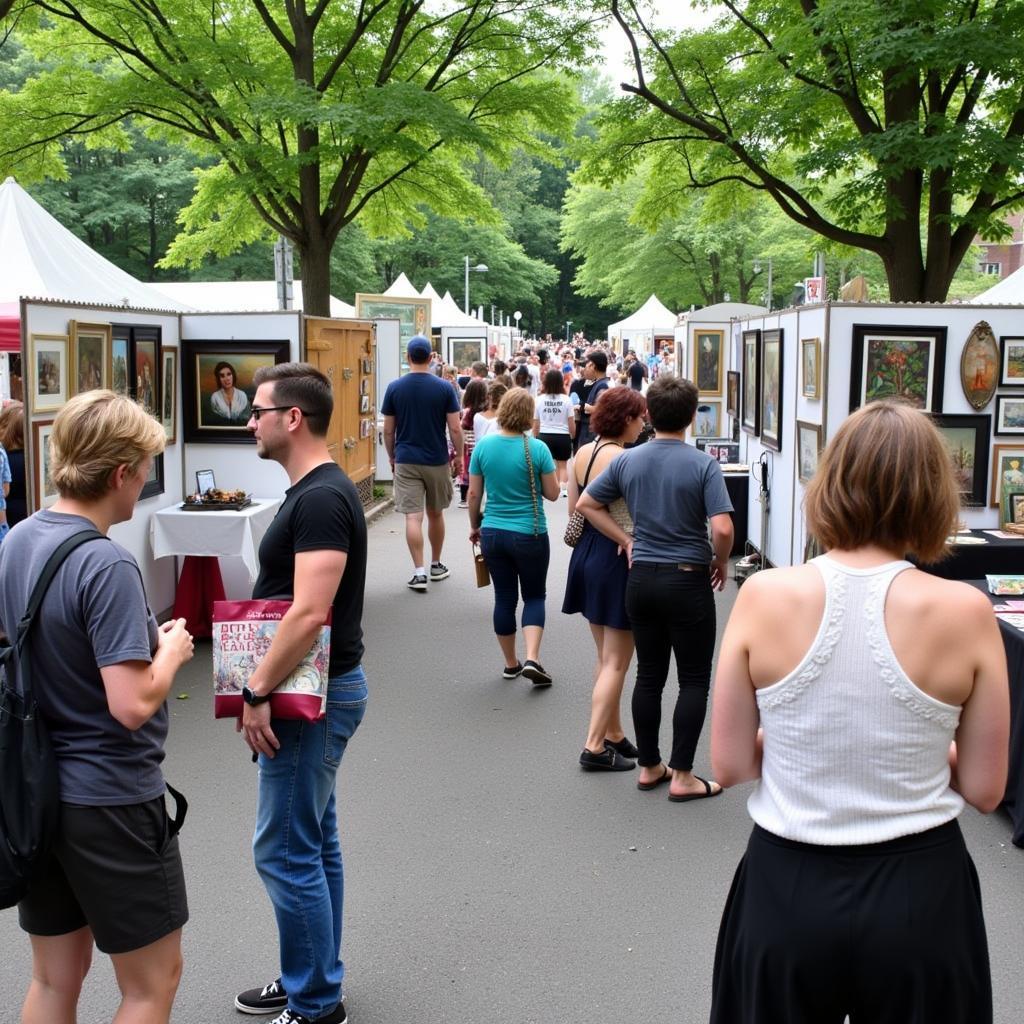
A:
x: 657, y: 782
x: 686, y: 797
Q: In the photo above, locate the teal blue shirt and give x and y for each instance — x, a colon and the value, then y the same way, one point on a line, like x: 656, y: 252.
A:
x: 501, y: 461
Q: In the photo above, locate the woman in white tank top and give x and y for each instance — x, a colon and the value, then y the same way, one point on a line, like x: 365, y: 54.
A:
x: 869, y: 700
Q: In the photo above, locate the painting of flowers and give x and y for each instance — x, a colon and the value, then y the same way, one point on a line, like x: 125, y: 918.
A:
x: 903, y: 363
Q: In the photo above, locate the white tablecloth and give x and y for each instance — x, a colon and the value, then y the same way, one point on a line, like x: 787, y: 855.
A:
x: 173, y: 531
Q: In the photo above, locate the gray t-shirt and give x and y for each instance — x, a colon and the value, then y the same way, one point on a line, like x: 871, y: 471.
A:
x: 94, y: 615
x: 672, y: 489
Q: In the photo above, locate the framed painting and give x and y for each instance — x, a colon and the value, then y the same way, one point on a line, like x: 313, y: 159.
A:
x: 154, y: 484
x: 808, y: 449
x: 1011, y: 362
x: 463, y: 352
x: 217, y: 387
x: 90, y: 356
x: 413, y: 317
x: 967, y: 439
x: 144, y: 374
x: 1010, y: 414
x: 45, y: 493
x: 750, y: 419
x: 708, y: 351
x: 1007, y: 477
x: 120, y: 359
x: 907, y: 363
x: 48, y: 380
x: 1016, y: 509
x: 810, y: 367
x: 732, y: 393
x: 979, y: 366
x: 771, y: 389
x: 708, y: 421
x: 169, y: 394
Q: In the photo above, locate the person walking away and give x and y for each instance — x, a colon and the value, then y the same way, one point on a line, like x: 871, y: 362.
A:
x: 595, y: 370
x: 515, y: 470
x: 673, y: 491
x: 12, y: 437
x: 474, y: 402
x: 554, y: 422
x: 869, y: 701
x: 637, y: 372
x: 487, y: 419
x: 102, y: 669
x: 5, y: 488
x: 596, y: 583
x: 417, y: 408
x: 314, y: 553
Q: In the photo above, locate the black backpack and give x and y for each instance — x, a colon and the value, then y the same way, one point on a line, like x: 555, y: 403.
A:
x: 29, y: 786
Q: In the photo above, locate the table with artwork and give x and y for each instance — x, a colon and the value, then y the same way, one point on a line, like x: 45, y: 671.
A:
x: 979, y: 553
x: 1013, y: 642
x: 203, y: 537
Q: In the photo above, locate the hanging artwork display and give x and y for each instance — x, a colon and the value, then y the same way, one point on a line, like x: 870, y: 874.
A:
x: 707, y: 361
x: 90, y: 356
x: 45, y: 493
x: 979, y: 366
x: 1007, y: 477
x: 1010, y: 414
x: 708, y: 419
x: 810, y: 367
x: 1011, y: 362
x: 169, y: 387
x: 48, y: 365
x: 967, y: 438
x: 732, y: 393
x: 771, y: 389
x: 808, y: 449
x: 751, y: 389
x: 907, y: 363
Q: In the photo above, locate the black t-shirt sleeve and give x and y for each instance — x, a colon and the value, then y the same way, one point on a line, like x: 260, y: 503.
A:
x: 321, y: 521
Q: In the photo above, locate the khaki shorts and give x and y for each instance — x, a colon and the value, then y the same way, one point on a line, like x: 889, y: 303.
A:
x: 416, y: 485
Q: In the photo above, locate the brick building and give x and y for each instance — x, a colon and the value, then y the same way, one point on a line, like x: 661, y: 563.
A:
x: 1000, y: 259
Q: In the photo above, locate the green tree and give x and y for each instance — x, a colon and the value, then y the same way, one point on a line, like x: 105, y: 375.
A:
x: 316, y: 115
x: 912, y: 109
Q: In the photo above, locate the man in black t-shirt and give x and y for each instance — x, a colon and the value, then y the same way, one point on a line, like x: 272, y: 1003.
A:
x: 314, y: 554
x: 595, y: 370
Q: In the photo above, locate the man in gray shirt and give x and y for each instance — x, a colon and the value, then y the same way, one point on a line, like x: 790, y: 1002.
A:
x: 673, y: 491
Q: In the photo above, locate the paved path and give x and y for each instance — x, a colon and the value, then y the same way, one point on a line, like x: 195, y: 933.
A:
x: 489, y: 880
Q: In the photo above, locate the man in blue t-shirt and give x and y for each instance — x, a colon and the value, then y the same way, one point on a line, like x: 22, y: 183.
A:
x: 417, y: 408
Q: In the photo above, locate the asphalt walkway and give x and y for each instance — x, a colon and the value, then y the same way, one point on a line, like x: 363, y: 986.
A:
x: 489, y: 880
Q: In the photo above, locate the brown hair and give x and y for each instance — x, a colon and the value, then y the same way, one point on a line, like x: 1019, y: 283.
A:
x: 886, y: 478
x: 95, y: 433
x: 303, y: 386
x: 615, y: 406
x: 515, y: 413
x: 12, y: 427
x: 495, y: 393
x: 671, y: 403
x: 554, y: 383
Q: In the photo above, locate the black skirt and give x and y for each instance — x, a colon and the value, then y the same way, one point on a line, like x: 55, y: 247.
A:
x: 560, y: 446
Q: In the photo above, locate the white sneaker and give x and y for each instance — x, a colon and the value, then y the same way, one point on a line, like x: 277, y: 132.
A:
x: 565, y: 492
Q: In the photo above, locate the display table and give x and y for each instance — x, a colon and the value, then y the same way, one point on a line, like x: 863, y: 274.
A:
x: 1013, y: 642
x: 203, y: 537
x: 975, y: 561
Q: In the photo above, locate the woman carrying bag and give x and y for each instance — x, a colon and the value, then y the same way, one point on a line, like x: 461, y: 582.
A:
x: 515, y: 470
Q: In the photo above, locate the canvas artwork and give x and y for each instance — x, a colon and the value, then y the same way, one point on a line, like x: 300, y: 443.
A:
x: 90, y: 344
x: 45, y: 493
x: 907, y: 363
x: 808, y: 445
x: 707, y: 361
x: 169, y: 388
x: 119, y: 366
x: 146, y: 375
x: 49, y: 364
x: 967, y: 438
x: 1007, y: 477
x: 732, y: 393
x: 466, y: 352
x: 751, y: 385
x: 1011, y: 362
x: 810, y: 367
x: 1017, y: 508
x: 413, y: 316
x: 979, y: 366
x: 771, y: 389
x: 708, y: 419
x: 1009, y: 414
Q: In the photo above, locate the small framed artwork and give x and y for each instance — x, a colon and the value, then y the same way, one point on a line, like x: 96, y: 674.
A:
x: 707, y: 361
x: 708, y: 421
x: 364, y: 403
x: 364, y: 386
x: 90, y: 355
x: 810, y: 367
x: 154, y: 484
x: 907, y: 363
x: 117, y: 373
x: 169, y: 394
x: 1010, y: 414
x: 45, y: 493
x: 144, y: 381
x: 1016, y: 509
x: 1007, y: 477
x: 1011, y: 362
x: 967, y: 438
x: 367, y: 366
x: 48, y: 384
x: 217, y: 387
x: 364, y: 429
x: 732, y: 393
x: 808, y: 449
x: 771, y: 389
x: 751, y: 389
x: 979, y: 366
x: 205, y: 481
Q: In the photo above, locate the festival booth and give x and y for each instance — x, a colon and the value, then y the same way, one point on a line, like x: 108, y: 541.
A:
x: 643, y: 330
x: 251, y: 296
x: 461, y: 339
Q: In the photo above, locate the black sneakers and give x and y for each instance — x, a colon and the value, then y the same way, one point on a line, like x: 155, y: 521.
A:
x: 438, y: 571
x: 610, y: 760
x: 336, y: 1016
x: 511, y: 672
x: 418, y: 582
x: 535, y: 673
x: 624, y: 747
x: 269, y: 999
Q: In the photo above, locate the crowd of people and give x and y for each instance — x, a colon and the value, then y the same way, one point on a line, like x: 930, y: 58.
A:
x: 867, y: 699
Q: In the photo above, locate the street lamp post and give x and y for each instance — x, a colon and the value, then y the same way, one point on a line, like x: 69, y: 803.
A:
x: 757, y: 270
x: 568, y: 324
x: 480, y: 268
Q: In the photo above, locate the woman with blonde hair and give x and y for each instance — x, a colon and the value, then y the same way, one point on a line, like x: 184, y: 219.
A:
x: 102, y: 674
x: 869, y: 701
x: 516, y: 470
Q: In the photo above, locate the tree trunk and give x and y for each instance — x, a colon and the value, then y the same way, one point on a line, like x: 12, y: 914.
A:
x: 315, y: 255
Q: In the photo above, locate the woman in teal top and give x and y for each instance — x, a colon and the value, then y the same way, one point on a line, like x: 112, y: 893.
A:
x: 515, y: 470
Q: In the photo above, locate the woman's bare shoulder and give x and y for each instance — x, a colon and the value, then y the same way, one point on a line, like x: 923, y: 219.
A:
x: 953, y: 600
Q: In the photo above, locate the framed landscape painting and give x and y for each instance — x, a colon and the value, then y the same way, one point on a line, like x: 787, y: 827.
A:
x: 48, y: 387
x: 907, y: 363
x: 707, y: 361
x: 771, y: 389
x: 1010, y: 414
x: 90, y: 356
x: 751, y: 389
x: 1011, y: 362
x: 967, y: 439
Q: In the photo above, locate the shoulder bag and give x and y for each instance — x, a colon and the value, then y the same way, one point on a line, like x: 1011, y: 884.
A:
x: 574, y: 528
x: 29, y: 785
x: 533, y: 486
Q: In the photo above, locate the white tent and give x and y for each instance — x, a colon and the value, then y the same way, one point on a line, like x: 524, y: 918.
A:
x: 41, y: 259
x: 401, y: 288
x: 239, y: 296
x: 445, y: 313
x: 1008, y: 291
x: 653, y: 319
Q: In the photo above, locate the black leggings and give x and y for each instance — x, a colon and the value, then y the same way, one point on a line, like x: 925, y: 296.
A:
x: 890, y: 933
x: 671, y: 611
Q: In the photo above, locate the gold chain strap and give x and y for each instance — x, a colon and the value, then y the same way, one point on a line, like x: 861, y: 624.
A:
x: 533, y: 487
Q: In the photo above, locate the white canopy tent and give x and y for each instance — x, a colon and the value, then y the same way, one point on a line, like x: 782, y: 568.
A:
x: 1009, y: 291
x: 239, y: 296
x: 401, y: 288
x: 444, y: 312
x: 652, y: 320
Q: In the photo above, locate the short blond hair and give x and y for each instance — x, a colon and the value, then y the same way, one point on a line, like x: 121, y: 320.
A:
x: 94, y: 434
x: 886, y: 478
x: 516, y: 411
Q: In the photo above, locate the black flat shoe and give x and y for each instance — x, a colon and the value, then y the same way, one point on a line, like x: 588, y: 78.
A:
x: 624, y: 747
x: 608, y: 761
x: 536, y: 674
x: 511, y: 673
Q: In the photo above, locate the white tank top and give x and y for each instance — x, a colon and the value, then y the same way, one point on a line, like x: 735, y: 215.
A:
x: 854, y: 752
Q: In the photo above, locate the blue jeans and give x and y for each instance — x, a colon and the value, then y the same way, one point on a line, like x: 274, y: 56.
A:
x: 296, y: 845
x: 516, y: 561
